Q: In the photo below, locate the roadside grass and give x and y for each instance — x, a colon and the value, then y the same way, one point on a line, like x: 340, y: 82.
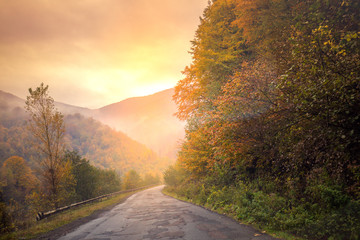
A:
x: 66, y: 217
x: 265, y: 230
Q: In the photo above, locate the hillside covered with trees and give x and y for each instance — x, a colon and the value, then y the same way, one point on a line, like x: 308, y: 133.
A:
x: 148, y: 120
x: 103, y: 146
x: 42, y: 169
x: 272, y: 104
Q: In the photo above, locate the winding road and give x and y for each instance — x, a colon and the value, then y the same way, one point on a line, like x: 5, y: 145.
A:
x: 152, y: 215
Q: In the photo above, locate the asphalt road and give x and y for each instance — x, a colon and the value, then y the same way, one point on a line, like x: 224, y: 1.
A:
x: 151, y: 215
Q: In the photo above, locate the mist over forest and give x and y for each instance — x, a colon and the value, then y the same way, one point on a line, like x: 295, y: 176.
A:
x: 104, y: 136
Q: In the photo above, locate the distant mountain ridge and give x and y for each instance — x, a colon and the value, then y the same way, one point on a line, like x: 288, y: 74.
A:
x: 8, y: 100
x: 149, y: 120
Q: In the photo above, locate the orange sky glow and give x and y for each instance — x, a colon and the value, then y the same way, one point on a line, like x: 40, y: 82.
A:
x: 95, y: 52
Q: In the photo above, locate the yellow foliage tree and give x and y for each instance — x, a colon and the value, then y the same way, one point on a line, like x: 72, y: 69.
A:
x: 47, y: 126
x: 18, y: 179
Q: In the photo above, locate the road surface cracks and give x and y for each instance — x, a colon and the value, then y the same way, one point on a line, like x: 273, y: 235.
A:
x: 151, y: 215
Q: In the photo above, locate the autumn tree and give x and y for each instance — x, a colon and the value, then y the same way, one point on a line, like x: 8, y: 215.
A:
x: 218, y: 51
x: 18, y: 179
x: 132, y: 180
x: 47, y: 126
x: 18, y: 182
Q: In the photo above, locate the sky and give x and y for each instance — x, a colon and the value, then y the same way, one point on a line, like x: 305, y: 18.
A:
x: 93, y: 53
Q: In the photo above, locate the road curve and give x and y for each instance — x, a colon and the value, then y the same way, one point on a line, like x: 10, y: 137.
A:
x: 152, y: 215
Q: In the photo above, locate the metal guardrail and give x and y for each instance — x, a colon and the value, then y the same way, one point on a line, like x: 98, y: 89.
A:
x: 42, y: 215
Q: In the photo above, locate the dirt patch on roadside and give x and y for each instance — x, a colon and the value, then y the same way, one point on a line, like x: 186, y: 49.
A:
x: 63, y: 230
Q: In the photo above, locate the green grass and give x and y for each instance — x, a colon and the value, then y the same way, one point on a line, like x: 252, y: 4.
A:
x: 277, y: 234
x: 66, y: 217
x: 326, y: 215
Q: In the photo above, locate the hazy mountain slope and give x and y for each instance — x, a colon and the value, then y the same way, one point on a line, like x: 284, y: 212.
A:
x: 149, y: 120
x: 10, y: 103
x: 9, y: 100
x: 99, y: 143
x: 108, y: 148
x: 11, y: 109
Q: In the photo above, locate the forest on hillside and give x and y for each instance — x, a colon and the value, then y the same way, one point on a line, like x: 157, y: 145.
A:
x: 272, y: 104
x: 107, y: 148
x: 48, y: 160
x: 101, y: 145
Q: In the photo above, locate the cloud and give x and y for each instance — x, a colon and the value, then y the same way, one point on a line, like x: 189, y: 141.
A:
x: 110, y: 47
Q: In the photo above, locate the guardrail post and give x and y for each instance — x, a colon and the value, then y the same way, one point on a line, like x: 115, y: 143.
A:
x: 39, y: 216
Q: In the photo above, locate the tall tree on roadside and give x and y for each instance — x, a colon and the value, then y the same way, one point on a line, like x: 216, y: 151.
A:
x: 218, y: 51
x: 47, y: 126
